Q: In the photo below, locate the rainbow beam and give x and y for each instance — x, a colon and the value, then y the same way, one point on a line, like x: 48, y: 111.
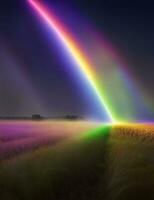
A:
x: 74, y: 51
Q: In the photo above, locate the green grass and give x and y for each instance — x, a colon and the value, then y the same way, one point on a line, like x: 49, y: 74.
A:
x: 100, y: 164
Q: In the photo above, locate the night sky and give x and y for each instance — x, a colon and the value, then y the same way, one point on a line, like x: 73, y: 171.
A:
x: 33, y: 74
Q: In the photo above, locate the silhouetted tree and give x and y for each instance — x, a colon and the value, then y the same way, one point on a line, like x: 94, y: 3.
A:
x: 72, y: 117
x: 37, y: 117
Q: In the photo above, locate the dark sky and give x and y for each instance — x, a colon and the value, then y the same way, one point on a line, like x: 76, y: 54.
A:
x: 32, y: 74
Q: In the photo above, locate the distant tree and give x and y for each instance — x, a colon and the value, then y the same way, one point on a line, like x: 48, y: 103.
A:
x: 72, y: 117
x: 37, y: 117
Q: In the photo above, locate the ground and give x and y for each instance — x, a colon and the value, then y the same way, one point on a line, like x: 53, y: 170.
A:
x: 76, y: 160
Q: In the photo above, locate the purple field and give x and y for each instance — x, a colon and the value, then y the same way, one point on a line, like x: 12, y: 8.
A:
x: 17, y: 137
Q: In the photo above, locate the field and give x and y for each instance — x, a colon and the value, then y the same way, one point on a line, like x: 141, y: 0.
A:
x: 76, y: 160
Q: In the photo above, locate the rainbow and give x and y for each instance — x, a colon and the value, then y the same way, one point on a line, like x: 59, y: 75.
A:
x: 75, y: 51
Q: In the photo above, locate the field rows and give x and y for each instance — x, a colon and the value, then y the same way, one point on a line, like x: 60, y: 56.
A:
x: 20, y: 137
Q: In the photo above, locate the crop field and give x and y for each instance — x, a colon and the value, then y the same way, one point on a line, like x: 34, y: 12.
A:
x: 76, y: 160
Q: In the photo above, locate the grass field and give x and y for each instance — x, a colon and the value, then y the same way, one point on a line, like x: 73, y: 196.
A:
x: 76, y: 160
